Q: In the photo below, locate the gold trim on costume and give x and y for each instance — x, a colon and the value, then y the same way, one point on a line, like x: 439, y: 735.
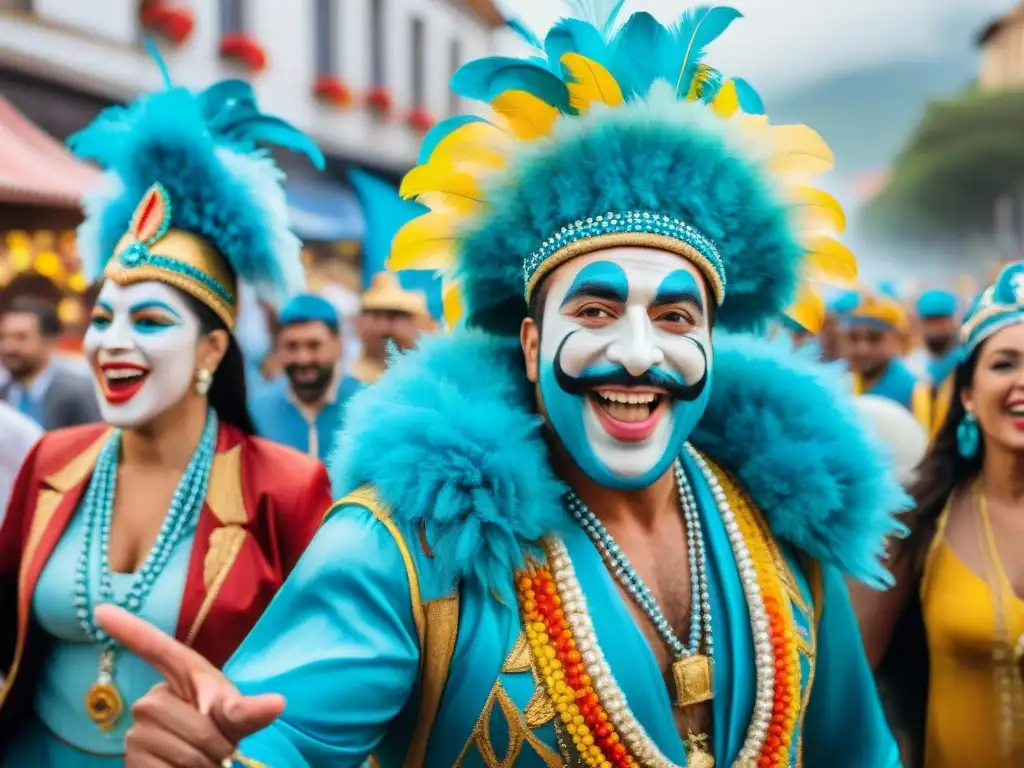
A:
x: 518, y: 735
x: 191, y: 251
x: 519, y: 659
x: 366, y: 497
x: 224, y: 498
x: 639, y: 239
x: 442, y: 624
x: 49, y: 499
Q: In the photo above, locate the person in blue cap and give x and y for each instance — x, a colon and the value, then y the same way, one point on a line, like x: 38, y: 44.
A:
x: 875, y: 330
x: 304, y: 409
x: 937, y: 313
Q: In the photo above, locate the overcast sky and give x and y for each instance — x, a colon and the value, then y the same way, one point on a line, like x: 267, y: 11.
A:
x: 783, y: 44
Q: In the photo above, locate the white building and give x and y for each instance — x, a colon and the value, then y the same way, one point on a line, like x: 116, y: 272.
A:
x: 394, y: 53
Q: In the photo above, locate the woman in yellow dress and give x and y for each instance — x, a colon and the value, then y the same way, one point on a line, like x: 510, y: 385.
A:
x: 960, y: 573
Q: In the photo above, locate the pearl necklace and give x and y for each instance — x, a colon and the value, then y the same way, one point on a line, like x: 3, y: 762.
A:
x: 104, y: 702
x: 610, y: 694
x: 622, y: 569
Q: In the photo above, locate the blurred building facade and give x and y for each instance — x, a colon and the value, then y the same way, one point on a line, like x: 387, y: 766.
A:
x: 1002, y: 52
x: 365, y: 78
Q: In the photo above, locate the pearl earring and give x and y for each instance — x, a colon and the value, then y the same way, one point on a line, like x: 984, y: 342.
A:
x: 203, y: 381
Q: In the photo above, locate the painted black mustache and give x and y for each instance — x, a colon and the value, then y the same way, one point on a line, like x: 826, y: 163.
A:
x: 580, y: 385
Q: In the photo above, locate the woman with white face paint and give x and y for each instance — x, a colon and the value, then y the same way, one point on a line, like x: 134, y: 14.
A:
x: 171, y: 508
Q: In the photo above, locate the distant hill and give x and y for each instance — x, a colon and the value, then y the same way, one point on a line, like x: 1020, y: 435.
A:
x: 866, y: 116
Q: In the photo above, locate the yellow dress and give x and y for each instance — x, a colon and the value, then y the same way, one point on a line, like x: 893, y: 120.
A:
x: 964, y: 710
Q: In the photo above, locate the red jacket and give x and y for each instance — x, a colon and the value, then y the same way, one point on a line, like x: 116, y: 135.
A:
x: 263, y: 505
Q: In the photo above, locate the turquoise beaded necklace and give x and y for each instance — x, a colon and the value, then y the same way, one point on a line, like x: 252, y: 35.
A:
x: 104, y: 702
x: 689, y: 660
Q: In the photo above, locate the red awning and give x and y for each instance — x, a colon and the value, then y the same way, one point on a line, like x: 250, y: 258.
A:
x: 35, y: 168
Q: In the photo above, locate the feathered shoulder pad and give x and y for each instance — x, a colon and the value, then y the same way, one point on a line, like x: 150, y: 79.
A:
x: 450, y: 441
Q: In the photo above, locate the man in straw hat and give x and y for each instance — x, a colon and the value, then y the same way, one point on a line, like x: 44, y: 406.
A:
x: 389, y: 314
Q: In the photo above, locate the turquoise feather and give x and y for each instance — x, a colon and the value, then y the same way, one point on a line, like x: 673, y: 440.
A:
x: 575, y: 36
x: 436, y: 134
x: 635, y: 51
x: 484, y: 79
x: 602, y: 14
x: 693, y: 33
x: 233, y: 117
x: 750, y: 101
x: 525, y: 33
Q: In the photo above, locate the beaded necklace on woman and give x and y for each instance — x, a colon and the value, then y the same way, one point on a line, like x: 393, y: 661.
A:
x: 103, y: 702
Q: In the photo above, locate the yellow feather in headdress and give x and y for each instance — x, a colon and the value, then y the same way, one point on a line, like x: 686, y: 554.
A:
x: 800, y: 150
x: 451, y: 300
x: 442, y: 181
x: 808, y: 310
x: 528, y: 117
x: 727, y: 102
x: 477, y: 144
x: 590, y: 82
x: 700, y: 78
x: 828, y: 259
x: 426, y: 242
x: 819, y: 210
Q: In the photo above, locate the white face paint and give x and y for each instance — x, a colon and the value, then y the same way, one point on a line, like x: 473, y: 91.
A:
x: 625, y: 361
x: 141, y: 344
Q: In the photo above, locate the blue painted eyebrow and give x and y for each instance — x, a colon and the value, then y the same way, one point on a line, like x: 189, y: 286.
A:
x: 144, y: 305
x: 599, y: 280
x: 105, y: 307
x: 679, y: 287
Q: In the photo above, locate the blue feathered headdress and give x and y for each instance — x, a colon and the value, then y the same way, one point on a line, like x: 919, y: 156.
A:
x: 188, y: 187
x: 618, y: 134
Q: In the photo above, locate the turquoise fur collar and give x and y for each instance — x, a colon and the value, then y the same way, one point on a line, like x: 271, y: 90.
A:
x: 449, y: 440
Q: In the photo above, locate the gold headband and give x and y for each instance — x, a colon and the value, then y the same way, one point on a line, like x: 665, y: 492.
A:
x: 638, y: 239
x: 152, y: 251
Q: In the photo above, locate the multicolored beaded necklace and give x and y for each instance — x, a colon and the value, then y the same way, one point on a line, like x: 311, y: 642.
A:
x: 593, y: 709
x: 104, y: 702
x: 693, y: 672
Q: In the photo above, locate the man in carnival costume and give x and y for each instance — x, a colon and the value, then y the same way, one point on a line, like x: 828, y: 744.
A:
x: 646, y: 573
x: 875, y: 329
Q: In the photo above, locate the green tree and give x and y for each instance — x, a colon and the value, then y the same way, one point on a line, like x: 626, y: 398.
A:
x: 965, y: 154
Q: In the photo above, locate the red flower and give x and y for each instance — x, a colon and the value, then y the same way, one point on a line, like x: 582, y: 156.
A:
x: 331, y: 90
x: 379, y: 100
x: 169, y: 20
x: 419, y: 120
x: 243, y: 49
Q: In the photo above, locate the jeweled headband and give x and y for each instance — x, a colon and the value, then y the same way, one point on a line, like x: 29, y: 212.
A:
x: 999, y: 306
x: 153, y: 250
x: 636, y: 228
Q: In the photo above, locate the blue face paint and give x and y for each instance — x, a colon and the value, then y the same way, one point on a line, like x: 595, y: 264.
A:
x: 599, y: 280
x: 627, y: 353
x: 153, y: 317
x: 680, y: 287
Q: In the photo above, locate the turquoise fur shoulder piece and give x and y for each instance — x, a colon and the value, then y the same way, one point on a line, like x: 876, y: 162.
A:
x: 786, y: 426
x: 449, y: 440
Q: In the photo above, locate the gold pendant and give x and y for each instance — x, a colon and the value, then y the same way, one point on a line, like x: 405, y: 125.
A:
x: 103, y: 702
x: 694, y: 680
x: 697, y: 755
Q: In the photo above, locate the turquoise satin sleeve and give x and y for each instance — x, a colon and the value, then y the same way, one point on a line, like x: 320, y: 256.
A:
x: 844, y: 726
x: 339, y: 643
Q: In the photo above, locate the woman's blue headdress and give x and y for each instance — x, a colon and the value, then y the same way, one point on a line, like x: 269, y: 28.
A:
x: 999, y: 306
x: 619, y: 134
x: 190, y: 197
